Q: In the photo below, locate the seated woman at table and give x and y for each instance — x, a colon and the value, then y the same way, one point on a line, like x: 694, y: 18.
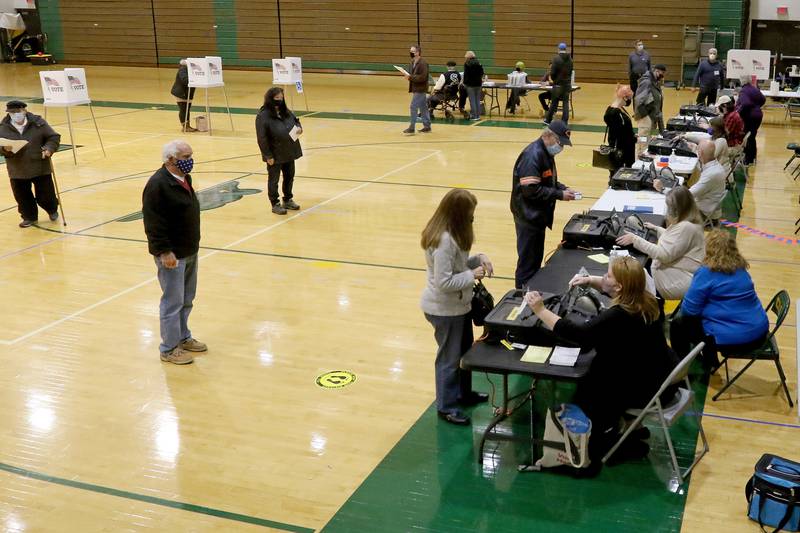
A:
x: 516, y: 93
x: 680, y: 248
x: 632, y: 358
x: 447, y: 298
x: 721, y: 306
x: 621, y: 136
x: 717, y: 131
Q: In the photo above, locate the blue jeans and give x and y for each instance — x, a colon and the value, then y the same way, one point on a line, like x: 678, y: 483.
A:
x: 419, y: 102
x: 474, y: 95
x: 454, y: 336
x: 178, y: 287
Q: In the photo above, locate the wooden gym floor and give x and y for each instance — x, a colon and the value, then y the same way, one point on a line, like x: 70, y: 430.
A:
x: 99, y: 435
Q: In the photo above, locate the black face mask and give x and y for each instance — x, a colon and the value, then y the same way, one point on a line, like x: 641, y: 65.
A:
x: 411, y: 54
x: 627, y: 102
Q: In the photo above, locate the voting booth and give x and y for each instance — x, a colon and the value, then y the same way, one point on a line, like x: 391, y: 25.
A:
x: 67, y: 88
x: 206, y: 73
x: 748, y: 62
x: 289, y: 71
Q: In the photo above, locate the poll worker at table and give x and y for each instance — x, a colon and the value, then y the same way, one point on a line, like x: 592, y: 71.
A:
x: 29, y: 168
x: 638, y: 64
x: 751, y: 99
x: 734, y: 125
x: 517, y: 92
x: 648, y: 101
x: 621, y: 136
x: 473, y: 80
x: 709, y: 189
x: 446, y: 300
x: 632, y: 357
x: 561, y: 76
x: 680, y: 247
x: 710, y: 75
x: 716, y: 128
x: 534, y: 191
x: 721, y: 306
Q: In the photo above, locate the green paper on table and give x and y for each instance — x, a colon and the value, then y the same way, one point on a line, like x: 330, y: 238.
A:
x: 600, y: 258
x: 536, y: 354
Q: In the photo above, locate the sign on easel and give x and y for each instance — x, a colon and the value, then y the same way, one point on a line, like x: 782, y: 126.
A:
x: 748, y: 62
x: 67, y: 88
x: 205, y: 72
x: 281, y: 72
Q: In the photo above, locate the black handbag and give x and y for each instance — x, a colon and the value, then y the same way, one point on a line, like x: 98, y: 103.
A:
x: 482, y: 303
x: 606, y: 156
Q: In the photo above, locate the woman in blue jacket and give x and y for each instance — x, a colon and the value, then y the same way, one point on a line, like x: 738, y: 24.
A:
x: 721, y: 306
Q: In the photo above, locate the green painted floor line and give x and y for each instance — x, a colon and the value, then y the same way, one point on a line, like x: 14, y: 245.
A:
x: 199, y: 106
x: 218, y: 513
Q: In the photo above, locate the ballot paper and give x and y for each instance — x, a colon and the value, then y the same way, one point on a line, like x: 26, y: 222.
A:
x: 402, y: 71
x: 536, y: 354
x: 564, y: 356
x: 294, y: 133
x: 15, y: 144
x: 599, y: 258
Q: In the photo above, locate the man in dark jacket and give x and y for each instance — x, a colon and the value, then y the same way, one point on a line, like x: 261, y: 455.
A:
x: 711, y: 76
x: 418, y: 87
x: 638, y: 64
x: 473, y: 81
x: 183, y: 94
x: 561, y: 75
x: 277, y: 131
x: 30, y: 165
x: 534, y: 191
x: 649, y: 100
x: 172, y: 224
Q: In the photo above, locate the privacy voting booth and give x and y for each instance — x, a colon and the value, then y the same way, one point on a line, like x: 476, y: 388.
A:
x: 206, y: 73
x: 289, y: 71
x: 67, y: 88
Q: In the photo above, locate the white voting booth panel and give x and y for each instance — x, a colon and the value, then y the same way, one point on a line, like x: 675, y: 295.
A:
x: 289, y: 71
x: 748, y: 62
x: 67, y: 88
x: 206, y: 73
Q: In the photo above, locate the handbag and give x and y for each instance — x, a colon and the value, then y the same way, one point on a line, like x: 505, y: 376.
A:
x: 773, y: 494
x: 606, y: 156
x: 482, y: 303
x: 566, y: 438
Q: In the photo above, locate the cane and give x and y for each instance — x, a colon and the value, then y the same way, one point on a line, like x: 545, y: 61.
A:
x: 58, y: 194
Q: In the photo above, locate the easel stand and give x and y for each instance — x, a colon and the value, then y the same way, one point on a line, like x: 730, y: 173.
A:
x: 208, y: 108
x: 288, y: 88
x: 69, y: 124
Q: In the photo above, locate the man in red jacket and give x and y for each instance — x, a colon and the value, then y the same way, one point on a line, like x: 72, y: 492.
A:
x: 418, y: 87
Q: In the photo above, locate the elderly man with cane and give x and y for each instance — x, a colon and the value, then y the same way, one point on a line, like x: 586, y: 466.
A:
x: 28, y: 161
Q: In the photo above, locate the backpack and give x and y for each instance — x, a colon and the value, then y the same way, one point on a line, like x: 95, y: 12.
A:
x: 773, y: 494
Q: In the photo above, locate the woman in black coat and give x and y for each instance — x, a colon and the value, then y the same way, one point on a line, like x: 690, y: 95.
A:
x: 621, y: 136
x: 183, y: 95
x: 274, y: 126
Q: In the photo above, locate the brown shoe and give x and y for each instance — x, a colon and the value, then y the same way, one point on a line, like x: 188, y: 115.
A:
x: 193, y: 345
x: 189, y: 129
x: 177, y: 356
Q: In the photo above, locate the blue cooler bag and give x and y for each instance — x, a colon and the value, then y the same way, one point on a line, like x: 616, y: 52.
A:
x: 773, y: 494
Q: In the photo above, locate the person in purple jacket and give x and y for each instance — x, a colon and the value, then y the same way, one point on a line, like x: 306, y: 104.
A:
x: 721, y: 306
x: 749, y: 107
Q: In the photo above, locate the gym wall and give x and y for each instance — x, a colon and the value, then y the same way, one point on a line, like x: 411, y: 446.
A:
x: 371, y: 35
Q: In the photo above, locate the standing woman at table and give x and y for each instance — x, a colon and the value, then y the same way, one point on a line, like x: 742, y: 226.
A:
x: 621, y: 136
x: 473, y: 80
x: 749, y: 107
x: 631, y: 354
x: 680, y: 249
x: 447, y: 298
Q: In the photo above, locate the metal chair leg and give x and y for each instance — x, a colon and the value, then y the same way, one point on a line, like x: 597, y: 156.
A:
x: 789, y: 162
x: 783, y: 382
x: 732, y: 381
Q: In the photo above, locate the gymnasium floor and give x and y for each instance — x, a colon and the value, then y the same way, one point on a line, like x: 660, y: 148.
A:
x: 99, y: 435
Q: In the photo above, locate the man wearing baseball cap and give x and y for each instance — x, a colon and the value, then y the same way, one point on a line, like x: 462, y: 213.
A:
x: 734, y: 125
x: 649, y: 100
x: 561, y: 76
x: 534, y: 191
x: 30, y: 165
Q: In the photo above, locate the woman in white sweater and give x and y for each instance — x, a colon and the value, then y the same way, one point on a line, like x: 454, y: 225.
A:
x: 447, y: 298
x: 680, y: 249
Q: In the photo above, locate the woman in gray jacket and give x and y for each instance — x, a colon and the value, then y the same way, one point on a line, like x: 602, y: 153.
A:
x: 447, y: 298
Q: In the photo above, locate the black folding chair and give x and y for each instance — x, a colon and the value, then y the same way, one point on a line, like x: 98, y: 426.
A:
x: 795, y: 148
x: 768, y: 351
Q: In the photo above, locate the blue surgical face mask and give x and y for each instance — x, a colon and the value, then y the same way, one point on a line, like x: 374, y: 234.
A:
x: 185, y: 165
x: 710, y: 131
x: 17, y: 117
x: 554, y: 149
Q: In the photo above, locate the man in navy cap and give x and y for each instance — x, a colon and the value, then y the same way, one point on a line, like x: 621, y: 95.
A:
x: 534, y: 191
x: 561, y: 76
x: 30, y: 165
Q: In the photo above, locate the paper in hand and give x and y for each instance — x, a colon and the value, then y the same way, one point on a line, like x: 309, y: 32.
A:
x: 294, y: 133
x: 14, y: 144
x: 402, y: 71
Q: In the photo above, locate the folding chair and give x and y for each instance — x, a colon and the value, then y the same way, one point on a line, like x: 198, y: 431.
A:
x: 666, y: 416
x: 730, y: 180
x: 768, y: 351
x: 792, y: 109
x: 795, y: 148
